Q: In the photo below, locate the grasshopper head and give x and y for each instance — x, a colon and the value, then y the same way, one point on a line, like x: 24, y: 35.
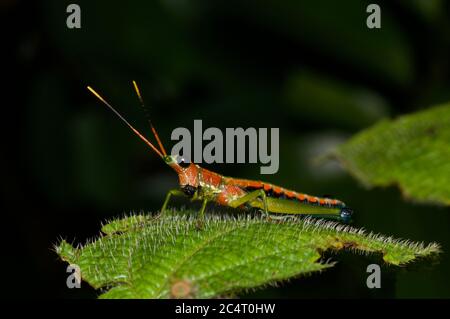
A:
x: 187, y: 173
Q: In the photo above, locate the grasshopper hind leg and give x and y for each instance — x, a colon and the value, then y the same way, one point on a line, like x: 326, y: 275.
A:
x: 250, y: 197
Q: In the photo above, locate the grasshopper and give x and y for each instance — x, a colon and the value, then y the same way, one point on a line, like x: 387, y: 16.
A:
x: 200, y: 184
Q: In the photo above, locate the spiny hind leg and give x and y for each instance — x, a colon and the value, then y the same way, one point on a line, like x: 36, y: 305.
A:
x: 259, y: 193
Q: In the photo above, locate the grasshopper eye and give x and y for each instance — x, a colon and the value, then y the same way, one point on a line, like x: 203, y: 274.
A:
x: 183, y: 163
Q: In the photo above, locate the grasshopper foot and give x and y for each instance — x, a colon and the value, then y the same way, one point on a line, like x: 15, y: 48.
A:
x: 199, y: 224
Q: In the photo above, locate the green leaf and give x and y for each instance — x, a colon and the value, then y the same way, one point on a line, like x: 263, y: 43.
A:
x: 170, y: 257
x: 412, y: 151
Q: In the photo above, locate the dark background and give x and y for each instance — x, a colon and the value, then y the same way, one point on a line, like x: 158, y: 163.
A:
x: 311, y: 68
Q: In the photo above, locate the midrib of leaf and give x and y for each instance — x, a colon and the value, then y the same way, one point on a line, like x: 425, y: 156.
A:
x: 242, y: 263
x: 196, y: 249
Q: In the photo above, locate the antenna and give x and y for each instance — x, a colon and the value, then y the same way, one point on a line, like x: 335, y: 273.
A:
x: 125, y: 121
x: 147, y: 115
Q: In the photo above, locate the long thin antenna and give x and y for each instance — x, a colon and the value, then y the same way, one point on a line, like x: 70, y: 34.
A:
x: 125, y: 121
x: 147, y: 115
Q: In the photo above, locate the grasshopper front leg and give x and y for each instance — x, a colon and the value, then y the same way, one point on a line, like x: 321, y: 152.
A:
x: 175, y: 192
x: 250, y: 197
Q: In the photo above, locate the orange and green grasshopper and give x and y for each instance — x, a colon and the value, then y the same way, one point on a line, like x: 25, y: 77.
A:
x: 200, y: 184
